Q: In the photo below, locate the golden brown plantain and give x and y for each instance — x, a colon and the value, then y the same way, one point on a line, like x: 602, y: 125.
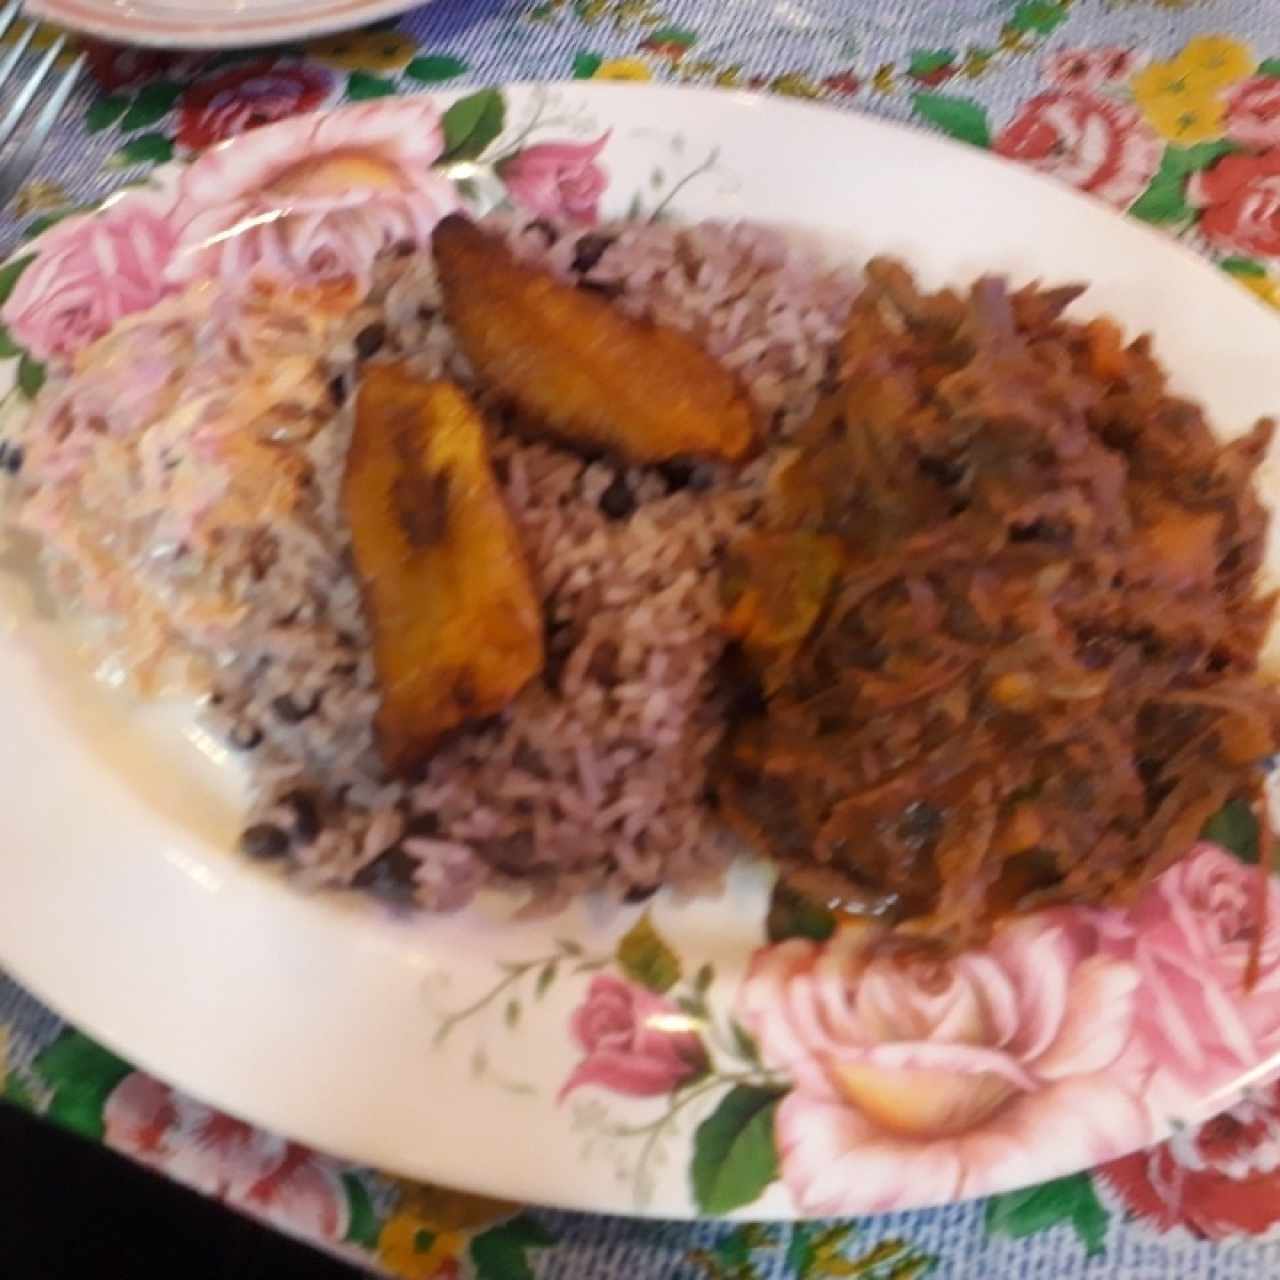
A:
x: 454, y: 618
x: 584, y: 370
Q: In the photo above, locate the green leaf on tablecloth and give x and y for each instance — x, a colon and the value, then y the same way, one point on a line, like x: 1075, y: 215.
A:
x: 1163, y: 202
x: 1040, y: 16
x: 1188, y: 160
x: 153, y: 103
x: 1165, y: 199
x: 105, y: 112
x: 1243, y: 267
x: 8, y: 348
x: 645, y: 957
x: 680, y: 37
x: 9, y: 275
x: 734, y: 1157
x: 30, y: 376
x: 800, y: 1251
x: 435, y: 67
x: 80, y: 1073
x: 1269, y: 67
x: 363, y: 1225
x: 18, y: 1093
x: 150, y: 148
x: 793, y: 914
x: 361, y: 86
x: 1235, y: 828
x: 924, y: 62
x: 585, y: 65
x: 472, y: 123
x: 501, y: 1253
x: 1066, y: 1201
x: 962, y: 118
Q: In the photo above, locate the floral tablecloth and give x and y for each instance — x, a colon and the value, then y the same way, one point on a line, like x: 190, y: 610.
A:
x: 1169, y: 109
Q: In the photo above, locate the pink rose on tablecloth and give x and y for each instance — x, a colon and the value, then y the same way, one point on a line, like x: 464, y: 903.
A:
x: 1191, y: 937
x: 632, y: 1041
x: 1253, y: 112
x: 281, y: 1182
x: 116, y: 66
x: 1090, y: 69
x: 247, y: 97
x: 315, y: 198
x: 1096, y: 144
x: 90, y: 270
x: 1218, y: 1181
x: 1240, y: 198
x: 919, y: 1080
x: 557, y: 179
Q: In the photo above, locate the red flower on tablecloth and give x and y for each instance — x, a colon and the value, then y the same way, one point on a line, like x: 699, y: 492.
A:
x: 1253, y: 112
x: 245, y: 97
x: 116, y: 66
x: 629, y: 1045
x: 845, y: 83
x: 286, y: 1184
x: 1088, y: 70
x: 1240, y: 197
x: 1217, y: 1181
x: 1096, y: 144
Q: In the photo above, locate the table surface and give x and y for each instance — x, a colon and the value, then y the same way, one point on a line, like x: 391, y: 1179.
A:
x: 1079, y: 88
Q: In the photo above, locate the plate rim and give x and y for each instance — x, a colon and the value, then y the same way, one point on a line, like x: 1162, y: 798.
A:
x: 150, y: 29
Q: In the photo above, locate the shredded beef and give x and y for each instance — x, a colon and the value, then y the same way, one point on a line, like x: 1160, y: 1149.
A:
x: 1000, y: 628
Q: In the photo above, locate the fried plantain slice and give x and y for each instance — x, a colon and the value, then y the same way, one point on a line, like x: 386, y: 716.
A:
x: 454, y: 617
x: 586, y: 372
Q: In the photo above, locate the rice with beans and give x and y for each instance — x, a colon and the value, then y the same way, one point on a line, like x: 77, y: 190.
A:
x: 184, y: 481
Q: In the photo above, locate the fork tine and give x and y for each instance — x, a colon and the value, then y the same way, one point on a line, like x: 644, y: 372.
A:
x: 12, y: 58
x: 13, y: 117
x: 13, y: 173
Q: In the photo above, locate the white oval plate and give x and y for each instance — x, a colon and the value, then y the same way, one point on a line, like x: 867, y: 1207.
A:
x: 212, y: 24
x: 666, y: 1059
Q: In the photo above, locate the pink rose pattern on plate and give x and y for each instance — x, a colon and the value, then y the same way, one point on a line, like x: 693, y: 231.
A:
x: 557, y: 179
x: 621, y: 1029
x: 883, y: 1077
x: 312, y: 198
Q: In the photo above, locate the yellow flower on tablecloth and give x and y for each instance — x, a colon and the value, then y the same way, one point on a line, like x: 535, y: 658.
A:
x: 883, y: 81
x: 1177, y: 108
x: 794, y: 84
x: 623, y: 69
x: 430, y: 1228
x: 1213, y: 62
x: 44, y: 36
x: 40, y: 195
x: 1264, y: 286
x: 364, y: 51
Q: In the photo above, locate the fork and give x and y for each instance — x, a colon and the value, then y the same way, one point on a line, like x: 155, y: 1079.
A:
x: 15, y: 168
